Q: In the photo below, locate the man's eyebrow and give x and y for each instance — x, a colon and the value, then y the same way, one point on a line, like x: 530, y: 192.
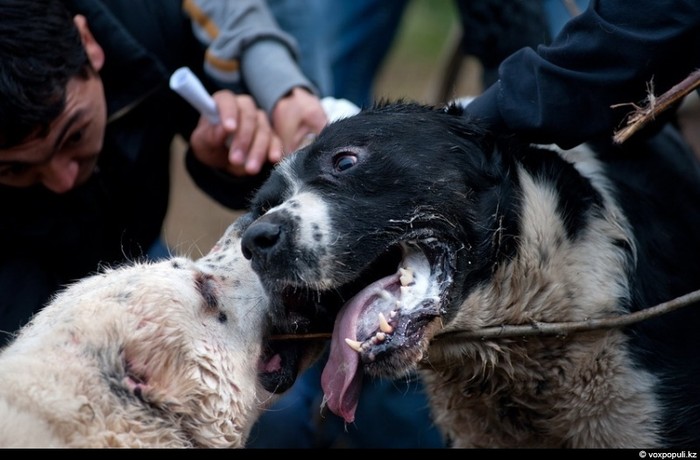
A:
x: 57, y: 144
x: 66, y: 127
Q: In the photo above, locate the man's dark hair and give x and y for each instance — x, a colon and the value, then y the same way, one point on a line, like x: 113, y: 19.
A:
x: 40, y: 50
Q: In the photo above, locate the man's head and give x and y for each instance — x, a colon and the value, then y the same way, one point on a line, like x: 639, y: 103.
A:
x: 52, y: 106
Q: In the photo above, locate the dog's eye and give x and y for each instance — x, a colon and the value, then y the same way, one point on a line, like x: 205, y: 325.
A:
x: 344, y: 160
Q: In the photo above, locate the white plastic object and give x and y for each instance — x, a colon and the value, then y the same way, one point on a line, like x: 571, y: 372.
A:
x: 184, y: 82
x: 338, y: 108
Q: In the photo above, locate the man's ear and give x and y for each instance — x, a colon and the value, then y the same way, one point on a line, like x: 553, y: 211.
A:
x: 93, y: 49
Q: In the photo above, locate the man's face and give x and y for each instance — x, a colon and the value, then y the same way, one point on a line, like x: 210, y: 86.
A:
x: 67, y: 156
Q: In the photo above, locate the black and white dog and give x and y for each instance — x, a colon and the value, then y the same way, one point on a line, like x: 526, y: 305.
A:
x: 404, y: 223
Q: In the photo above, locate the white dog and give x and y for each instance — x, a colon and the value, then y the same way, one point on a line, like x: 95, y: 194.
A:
x: 148, y: 355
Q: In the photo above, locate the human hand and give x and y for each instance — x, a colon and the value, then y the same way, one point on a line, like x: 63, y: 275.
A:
x: 242, y: 142
x: 296, y: 116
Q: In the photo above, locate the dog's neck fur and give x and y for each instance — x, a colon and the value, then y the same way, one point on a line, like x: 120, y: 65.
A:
x: 541, y: 392
x: 546, y: 391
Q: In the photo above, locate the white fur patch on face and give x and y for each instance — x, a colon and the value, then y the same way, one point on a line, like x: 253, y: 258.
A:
x: 311, y: 213
x: 313, y: 233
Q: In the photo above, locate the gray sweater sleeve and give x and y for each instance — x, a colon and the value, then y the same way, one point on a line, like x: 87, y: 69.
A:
x: 243, y: 40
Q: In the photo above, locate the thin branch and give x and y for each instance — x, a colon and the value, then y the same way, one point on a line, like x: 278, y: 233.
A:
x: 541, y: 329
x: 564, y: 328
x: 311, y: 336
x: 639, y: 118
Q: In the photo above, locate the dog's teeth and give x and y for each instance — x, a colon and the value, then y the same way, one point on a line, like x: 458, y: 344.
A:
x: 384, y: 324
x: 392, y: 314
x: 405, y: 290
x: 354, y: 344
x: 406, y: 276
x: 386, y: 295
x: 376, y: 339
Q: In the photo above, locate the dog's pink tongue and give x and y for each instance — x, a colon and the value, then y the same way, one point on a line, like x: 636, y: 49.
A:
x: 342, y: 376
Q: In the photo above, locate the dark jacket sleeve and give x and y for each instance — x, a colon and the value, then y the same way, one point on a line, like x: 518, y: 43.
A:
x: 610, y: 55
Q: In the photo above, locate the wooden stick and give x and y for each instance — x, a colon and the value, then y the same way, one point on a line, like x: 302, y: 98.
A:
x: 312, y: 336
x: 562, y: 329
x: 639, y: 118
x: 539, y: 328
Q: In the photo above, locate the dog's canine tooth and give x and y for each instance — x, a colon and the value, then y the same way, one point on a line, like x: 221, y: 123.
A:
x: 386, y: 295
x: 406, y: 276
x: 354, y: 344
x: 384, y: 324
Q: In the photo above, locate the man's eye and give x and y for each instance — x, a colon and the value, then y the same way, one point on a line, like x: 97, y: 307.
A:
x: 14, y: 170
x: 75, y: 138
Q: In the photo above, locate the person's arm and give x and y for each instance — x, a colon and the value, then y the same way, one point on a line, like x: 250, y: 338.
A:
x: 563, y: 93
x: 244, y: 41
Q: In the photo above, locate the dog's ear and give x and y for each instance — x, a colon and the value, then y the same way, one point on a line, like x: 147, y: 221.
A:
x: 467, y: 127
x: 193, y: 393
x: 153, y: 375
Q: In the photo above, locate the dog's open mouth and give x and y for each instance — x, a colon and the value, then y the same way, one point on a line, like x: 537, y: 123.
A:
x: 380, y: 322
x: 296, y: 338
x: 279, y: 365
x: 383, y: 328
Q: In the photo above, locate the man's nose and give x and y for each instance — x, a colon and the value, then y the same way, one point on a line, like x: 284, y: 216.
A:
x: 60, y: 174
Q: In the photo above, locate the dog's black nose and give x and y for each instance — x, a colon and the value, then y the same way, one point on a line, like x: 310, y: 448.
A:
x: 259, y: 239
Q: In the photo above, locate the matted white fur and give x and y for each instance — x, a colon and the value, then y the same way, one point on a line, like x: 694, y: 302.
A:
x: 148, y: 355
